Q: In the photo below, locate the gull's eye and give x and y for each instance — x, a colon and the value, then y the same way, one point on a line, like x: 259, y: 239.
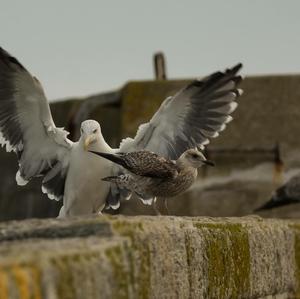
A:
x: 195, y: 156
x: 95, y: 131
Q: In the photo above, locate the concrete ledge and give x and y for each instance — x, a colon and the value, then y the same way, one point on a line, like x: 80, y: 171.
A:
x: 150, y: 257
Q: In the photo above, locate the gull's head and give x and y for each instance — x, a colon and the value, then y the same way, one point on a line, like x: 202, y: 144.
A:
x: 194, y: 158
x: 90, y: 133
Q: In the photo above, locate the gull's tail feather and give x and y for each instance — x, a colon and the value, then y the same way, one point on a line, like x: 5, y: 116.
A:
x: 112, y: 157
x: 112, y: 179
x: 113, y: 198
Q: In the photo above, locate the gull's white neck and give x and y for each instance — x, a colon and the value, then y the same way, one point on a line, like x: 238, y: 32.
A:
x: 102, y: 144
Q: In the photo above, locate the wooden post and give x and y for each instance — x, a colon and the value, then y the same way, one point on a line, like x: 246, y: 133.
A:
x: 159, y: 66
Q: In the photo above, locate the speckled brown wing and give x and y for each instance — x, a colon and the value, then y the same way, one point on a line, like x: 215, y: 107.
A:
x: 145, y: 163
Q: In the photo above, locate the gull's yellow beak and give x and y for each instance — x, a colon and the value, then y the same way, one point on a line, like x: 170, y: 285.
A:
x: 88, y: 140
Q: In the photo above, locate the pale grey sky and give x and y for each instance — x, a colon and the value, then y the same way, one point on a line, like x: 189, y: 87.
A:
x: 78, y: 48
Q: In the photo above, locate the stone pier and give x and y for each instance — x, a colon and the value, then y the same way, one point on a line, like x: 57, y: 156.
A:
x: 150, y: 257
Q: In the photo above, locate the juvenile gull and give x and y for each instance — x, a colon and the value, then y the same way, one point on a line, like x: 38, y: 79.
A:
x: 186, y: 120
x: 190, y: 118
x: 288, y: 193
x: 150, y: 175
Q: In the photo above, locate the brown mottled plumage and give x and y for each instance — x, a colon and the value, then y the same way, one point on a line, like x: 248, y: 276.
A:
x: 151, y: 176
x: 143, y: 163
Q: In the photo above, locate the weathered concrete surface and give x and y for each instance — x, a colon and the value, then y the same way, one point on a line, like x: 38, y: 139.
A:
x: 150, y: 257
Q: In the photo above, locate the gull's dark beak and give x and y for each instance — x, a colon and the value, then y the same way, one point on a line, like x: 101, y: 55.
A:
x: 209, y: 162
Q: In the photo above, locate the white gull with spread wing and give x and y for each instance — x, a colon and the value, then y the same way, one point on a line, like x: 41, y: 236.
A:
x: 69, y: 172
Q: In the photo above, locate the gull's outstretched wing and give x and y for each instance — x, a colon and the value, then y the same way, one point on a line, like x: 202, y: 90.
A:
x: 27, y: 128
x: 191, y: 117
x: 288, y: 193
x: 292, y: 187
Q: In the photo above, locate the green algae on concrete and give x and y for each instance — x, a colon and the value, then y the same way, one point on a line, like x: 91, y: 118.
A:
x: 296, y: 228
x: 228, y: 256
x: 189, y: 258
x: 120, y: 273
x: 65, y: 285
x: 65, y: 265
x: 138, y: 255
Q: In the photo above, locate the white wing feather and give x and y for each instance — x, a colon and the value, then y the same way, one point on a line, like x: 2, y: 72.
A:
x: 190, y: 118
x: 27, y: 127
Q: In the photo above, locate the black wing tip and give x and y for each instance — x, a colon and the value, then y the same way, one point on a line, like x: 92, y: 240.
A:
x: 7, y: 59
x: 236, y: 68
x: 231, y: 72
x: 238, y: 92
x: 237, y: 79
x: 277, y: 202
x: 270, y: 204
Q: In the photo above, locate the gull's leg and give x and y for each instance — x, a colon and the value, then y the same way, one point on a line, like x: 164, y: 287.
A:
x: 99, y: 212
x: 155, y: 207
x: 62, y: 213
x: 166, y: 205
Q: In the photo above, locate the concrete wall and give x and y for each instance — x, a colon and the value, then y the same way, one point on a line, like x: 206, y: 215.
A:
x: 150, y: 257
x: 268, y: 113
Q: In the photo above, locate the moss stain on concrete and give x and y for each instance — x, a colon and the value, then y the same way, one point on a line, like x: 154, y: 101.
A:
x: 26, y: 278
x: 296, y: 228
x: 120, y: 273
x: 189, y: 258
x: 3, y: 285
x: 138, y: 256
x: 36, y: 279
x: 22, y: 281
x: 65, y: 287
x: 228, y: 256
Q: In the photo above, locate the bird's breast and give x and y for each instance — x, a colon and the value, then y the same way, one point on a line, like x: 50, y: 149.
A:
x: 174, y: 186
x: 84, y: 187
